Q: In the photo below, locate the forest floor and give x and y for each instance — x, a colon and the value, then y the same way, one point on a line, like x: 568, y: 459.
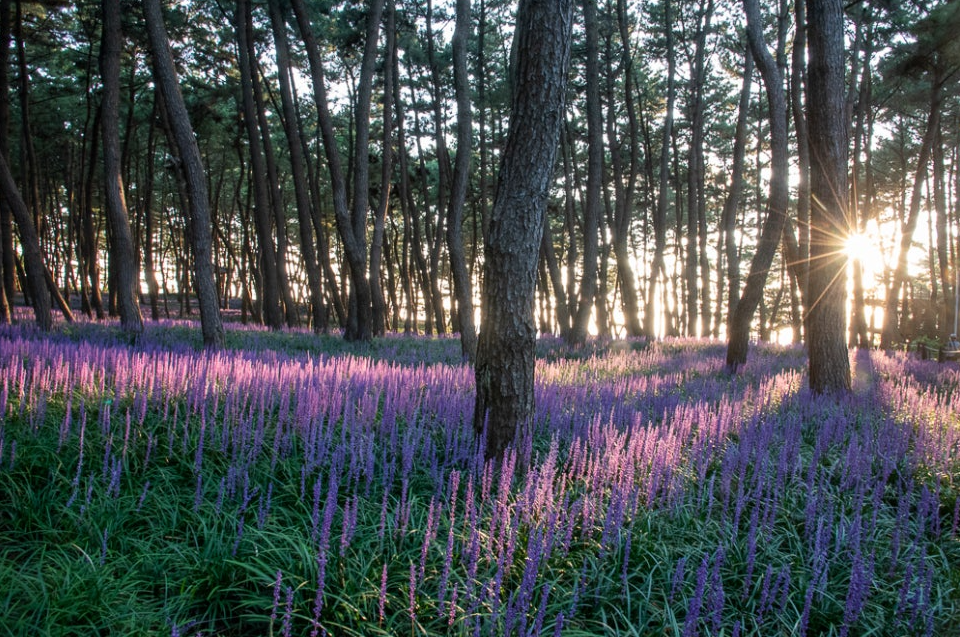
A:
x: 295, y: 484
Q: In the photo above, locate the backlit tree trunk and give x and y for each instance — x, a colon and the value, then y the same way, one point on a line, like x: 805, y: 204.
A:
x: 738, y: 325
x: 165, y: 74
x: 122, y: 253
x: 829, y: 215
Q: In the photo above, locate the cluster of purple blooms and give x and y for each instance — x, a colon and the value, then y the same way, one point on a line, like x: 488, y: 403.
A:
x: 372, y: 462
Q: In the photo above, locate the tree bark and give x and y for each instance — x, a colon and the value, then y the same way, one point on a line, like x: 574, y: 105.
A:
x: 829, y: 214
x: 728, y: 220
x: 505, y: 353
x: 378, y: 302
x: 122, y: 253
x: 462, y: 285
x: 7, y: 263
x: 351, y: 225
x: 298, y: 166
x: 266, y: 255
x: 30, y: 243
x: 592, y: 203
x: 738, y: 326
x: 658, y: 274
x: 165, y: 74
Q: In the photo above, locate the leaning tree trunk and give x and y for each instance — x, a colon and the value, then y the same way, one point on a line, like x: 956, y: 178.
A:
x: 165, y: 75
x: 829, y: 215
x: 30, y: 243
x: 738, y: 326
x: 122, y: 253
x: 891, y: 314
x: 505, y: 352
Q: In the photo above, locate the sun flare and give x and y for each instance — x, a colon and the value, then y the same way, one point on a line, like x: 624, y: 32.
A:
x: 862, y: 248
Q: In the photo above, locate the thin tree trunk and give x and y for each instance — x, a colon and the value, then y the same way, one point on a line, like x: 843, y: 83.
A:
x: 269, y: 290
x: 658, y: 269
x: 121, y: 239
x: 196, y: 184
x: 378, y: 302
x: 298, y: 166
x: 738, y: 330
x: 350, y: 225
x: 591, y: 208
x: 7, y: 255
x: 461, y: 176
x: 891, y: 324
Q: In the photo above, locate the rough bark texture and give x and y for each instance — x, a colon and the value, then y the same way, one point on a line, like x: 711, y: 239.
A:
x: 505, y: 354
x: 738, y: 325
x: 829, y: 218
x: 165, y: 74
x: 121, y: 239
x: 461, y: 176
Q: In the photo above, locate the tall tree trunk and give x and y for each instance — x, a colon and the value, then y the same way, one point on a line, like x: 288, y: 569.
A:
x: 298, y: 166
x: 7, y: 263
x: 269, y: 291
x: 275, y: 194
x: 829, y: 217
x: 591, y: 208
x: 624, y: 187
x: 121, y: 239
x: 505, y: 352
x: 697, y: 324
x: 738, y: 330
x: 165, y: 75
x: 461, y: 176
x: 658, y: 272
x: 351, y: 225
x: 378, y: 303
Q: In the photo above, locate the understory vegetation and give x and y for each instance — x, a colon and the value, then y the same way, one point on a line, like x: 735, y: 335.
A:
x: 297, y: 485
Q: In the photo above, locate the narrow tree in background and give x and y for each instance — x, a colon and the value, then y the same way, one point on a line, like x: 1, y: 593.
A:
x: 592, y: 203
x: 122, y: 253
x: 266, y: 255
x: 738, y: 322
x: 351, y: 221
x: 461, y: 178
x: 505, y: 352
x: 168, y: 84
x: 829, y: 221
